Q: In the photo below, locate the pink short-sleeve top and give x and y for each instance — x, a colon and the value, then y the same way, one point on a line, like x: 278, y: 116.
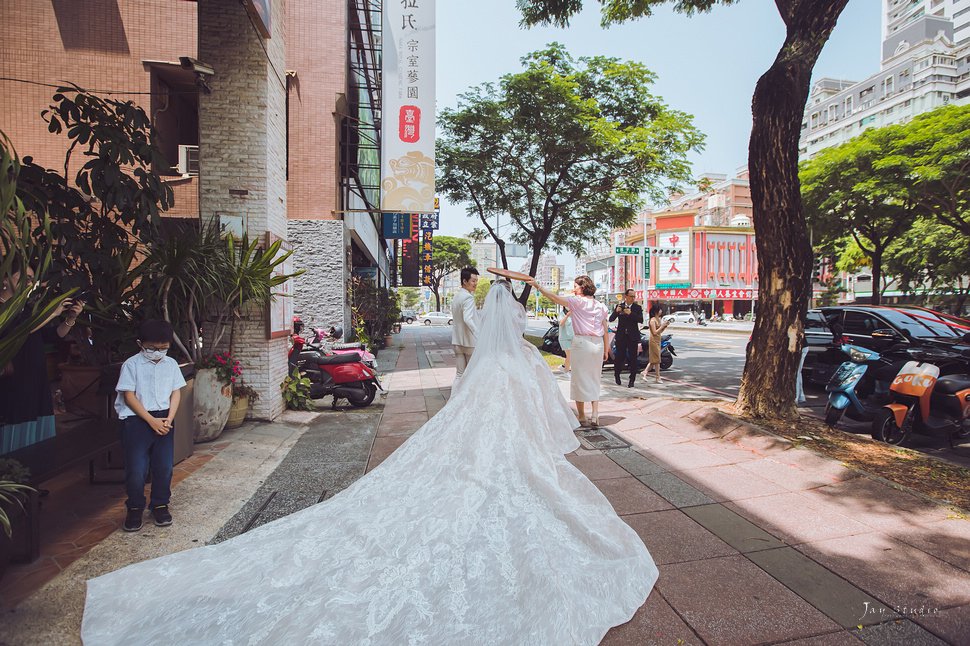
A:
x: 588, y: 314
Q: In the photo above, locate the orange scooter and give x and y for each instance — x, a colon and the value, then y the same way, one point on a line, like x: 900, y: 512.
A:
x: 921, y: 401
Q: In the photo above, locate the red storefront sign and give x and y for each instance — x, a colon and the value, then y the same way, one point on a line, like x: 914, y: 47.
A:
x: 409, y: 123
x: 701, y: 294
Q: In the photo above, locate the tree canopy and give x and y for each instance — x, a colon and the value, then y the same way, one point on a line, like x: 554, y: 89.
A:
x: 450, y: 255
x: 567, y: 148
x: 856, y: 189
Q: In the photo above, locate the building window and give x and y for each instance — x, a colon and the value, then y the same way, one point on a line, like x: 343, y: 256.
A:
x: 833, y: 113
x: 848, y: 105
x: 814, y: 120
x: 887, y: 86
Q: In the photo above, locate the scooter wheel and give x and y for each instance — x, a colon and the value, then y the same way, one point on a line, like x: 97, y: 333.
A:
x: 833, y: 415
x: 367, y: 396
x: 666, y: 361
x: 885, y: 429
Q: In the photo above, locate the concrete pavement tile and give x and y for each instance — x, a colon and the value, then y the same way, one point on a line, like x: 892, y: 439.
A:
x: 688, y: 428
x: 947, y: 540
x: 597, y: 467
x: 654, y: 623
x: 729, y: 482
x: 675, y: 490
x: 630, y: 496
x: 401, y: 423
x: 735, y: 530
x: 952, y: 624
x: 733, y: 453
x: 652, y: 437
x: 685, y: 455
x: 901, y: 576
x: 383, y: 447
x: 898, y: 633
x: 815, y: 463
x: 753, y: 438
x: 409, y: 404
x: 730, y: 600
x: 789, y: 476
x: 633, y: 462
x: 631, y: 422
x: 841, y: 601
x: 797, y: 518
x: 715, y: 421
x: 878, y: 505
x: 841, y: 638
x: 673, y: 537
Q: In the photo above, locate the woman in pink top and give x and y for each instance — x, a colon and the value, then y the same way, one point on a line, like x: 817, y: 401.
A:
x: 590, y: 344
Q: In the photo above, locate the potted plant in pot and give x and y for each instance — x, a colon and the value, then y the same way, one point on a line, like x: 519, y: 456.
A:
x: 18, y: 515
x: 243, y: 396
x: 214, y: 377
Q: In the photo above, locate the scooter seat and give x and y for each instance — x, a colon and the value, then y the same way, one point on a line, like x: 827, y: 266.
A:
x: 952, y: 384
x: 350, y: 357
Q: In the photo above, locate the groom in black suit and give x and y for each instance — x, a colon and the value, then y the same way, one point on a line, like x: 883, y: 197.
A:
x: 629, y: 317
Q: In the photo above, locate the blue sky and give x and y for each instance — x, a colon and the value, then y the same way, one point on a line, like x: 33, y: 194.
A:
x: 706, y: 65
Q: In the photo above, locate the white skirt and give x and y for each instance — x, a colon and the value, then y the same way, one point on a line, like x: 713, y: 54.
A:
x: 586, y: 361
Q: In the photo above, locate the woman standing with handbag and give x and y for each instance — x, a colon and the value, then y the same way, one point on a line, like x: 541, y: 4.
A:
x: 589, y: 346
x: 656, y: 332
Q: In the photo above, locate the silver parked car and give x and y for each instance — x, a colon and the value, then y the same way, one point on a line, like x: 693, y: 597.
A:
x: 437, y: 318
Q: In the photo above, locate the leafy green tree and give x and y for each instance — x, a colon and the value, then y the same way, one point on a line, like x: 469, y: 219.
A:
x: 784, y: 251
x: 566, y: 149
x: 934, y: 151
x: 855, y: 189
x: 481, y: 291
x: 932, y: 261
x: 450, y: 255
x: 410, y: 297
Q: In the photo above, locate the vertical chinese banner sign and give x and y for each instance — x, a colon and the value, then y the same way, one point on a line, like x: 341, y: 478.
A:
x: 427, y: 247
x: 408, y: 101
x: 411, y: 255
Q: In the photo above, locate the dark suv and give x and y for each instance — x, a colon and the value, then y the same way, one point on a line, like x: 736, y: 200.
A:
x: 879, y: 328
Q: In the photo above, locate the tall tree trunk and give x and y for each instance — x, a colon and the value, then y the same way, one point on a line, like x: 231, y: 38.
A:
x: 784, y: 252
x: 877, y: 286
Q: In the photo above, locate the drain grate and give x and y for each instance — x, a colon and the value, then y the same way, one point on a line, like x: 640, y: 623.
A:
x: 600, y: 439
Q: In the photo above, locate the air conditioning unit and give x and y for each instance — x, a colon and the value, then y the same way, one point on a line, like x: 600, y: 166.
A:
x: 188, y: 161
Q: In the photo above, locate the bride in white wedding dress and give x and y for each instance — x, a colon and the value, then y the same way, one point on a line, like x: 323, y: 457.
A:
x: 477, y: 530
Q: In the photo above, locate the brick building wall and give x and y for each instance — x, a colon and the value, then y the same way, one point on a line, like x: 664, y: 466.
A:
x: 96, y: 45
x: 242, y: 157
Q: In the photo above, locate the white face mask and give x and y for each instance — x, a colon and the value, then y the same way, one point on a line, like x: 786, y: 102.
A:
x: 154, y: 355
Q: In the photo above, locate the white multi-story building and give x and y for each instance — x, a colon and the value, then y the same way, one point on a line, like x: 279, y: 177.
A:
x: 925, y: 65
x: 485, y: 255
x: 899, y: 14
x: 549, y: 273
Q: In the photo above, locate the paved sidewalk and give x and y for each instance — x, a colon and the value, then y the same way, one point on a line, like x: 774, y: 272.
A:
x: 758, y: 542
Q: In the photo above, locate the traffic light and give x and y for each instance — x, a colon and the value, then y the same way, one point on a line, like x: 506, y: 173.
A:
x: 817, y: 264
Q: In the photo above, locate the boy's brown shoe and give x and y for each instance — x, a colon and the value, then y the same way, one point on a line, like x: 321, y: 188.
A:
x: 161, y: 515
x: 133, y: 520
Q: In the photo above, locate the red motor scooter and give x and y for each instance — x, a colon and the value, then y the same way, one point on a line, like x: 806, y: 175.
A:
x: 343, y: 376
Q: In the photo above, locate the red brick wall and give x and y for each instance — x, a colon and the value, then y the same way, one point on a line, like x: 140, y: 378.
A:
x: 97, y: 44
x: 316, y: 51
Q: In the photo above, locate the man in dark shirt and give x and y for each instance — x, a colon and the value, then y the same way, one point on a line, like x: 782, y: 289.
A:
x: 629, y: 317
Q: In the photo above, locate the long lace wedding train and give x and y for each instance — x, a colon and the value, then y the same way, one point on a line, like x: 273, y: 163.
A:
x: 476, y: 530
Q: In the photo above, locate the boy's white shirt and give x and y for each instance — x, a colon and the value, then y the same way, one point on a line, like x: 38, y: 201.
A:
x: 152, y: 383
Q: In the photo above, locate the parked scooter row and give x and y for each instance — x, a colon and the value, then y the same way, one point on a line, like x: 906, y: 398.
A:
x: 341, y: 373
x: 902, y: 393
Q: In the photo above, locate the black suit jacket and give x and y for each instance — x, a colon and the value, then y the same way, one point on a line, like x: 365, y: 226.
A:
x: 628, y: 325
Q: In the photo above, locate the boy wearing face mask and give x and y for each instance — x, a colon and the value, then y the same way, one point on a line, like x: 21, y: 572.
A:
x: 148, y: 398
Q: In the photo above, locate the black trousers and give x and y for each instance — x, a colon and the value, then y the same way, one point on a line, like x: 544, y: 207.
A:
x: 626, y: 356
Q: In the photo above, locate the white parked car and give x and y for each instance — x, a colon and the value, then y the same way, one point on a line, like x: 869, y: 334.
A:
x: 437, y: 318
x: 680, y: 317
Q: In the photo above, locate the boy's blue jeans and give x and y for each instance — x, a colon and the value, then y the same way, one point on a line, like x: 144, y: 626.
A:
x: 146, y: 449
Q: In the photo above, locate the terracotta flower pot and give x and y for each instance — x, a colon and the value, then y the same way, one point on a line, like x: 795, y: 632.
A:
x: 213, y: 399
x: 237, y: 414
